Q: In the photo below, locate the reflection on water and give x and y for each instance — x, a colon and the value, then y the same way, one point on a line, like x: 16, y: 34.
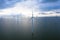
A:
x: 17, y: 28
x: 47, y: 28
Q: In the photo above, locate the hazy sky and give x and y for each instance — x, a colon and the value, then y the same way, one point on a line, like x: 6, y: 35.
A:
x: 42, y: 4
x: 26, y: 6
x: 49, y: 4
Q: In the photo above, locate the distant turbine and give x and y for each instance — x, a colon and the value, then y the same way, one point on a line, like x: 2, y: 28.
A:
x: 32, y: 25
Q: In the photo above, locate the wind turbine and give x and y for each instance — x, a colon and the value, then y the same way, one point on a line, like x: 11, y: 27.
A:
x: 32, y: 24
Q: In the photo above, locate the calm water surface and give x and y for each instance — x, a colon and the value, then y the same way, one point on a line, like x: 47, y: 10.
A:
x: 45, y: 28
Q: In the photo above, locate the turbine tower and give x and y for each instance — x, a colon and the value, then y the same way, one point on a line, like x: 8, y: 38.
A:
x: 32, y: 24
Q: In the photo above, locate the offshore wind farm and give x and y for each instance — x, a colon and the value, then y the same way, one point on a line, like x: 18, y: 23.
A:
x: 15, y: 27
x: 29, y: 19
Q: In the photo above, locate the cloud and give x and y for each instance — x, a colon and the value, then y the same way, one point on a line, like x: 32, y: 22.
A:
x: 37, y: 5
x: 48, y: 1
x: 8, y: 3
x: 47, y: 5
x: 24, y: 7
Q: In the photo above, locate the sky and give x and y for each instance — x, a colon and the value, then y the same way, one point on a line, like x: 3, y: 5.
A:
x: 27, y: 6
x: 48, y: 5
